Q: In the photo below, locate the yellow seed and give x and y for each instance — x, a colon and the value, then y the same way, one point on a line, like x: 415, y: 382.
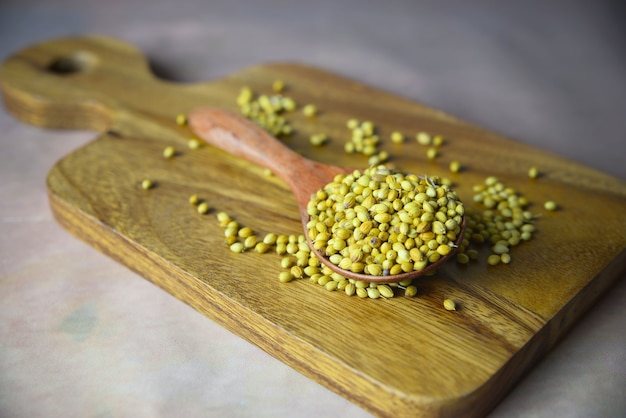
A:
x: 444, y: 249
x: 331, y: 286
x: 385, y: 291
x: 550, y: 205
x: 203, y: 208
x: 397, y: 137
x: 505, y: 258
x: 449, y: 305
x: 462, y: 258
x: 438, y: 140
x: 309, y: 110
x: 431, y: 153
x: 533, y: 172
x: 493, y: 259
x: 297, y: 272
x: 169, y: 152
x: 194, y: 143
x: 261, y: 247
x: 318, y: 139
x: 270, y: 238
x: 281, y: 248
x: 361, y: 292
x: 223, y: 217
x: 455, y: 166
x: 194, y: 199
x: 285, y: 277
x: 181, y: 120
x: 147, y: 184
x: 423, y: 138
x: 237, y: 247
x: 350, y: 289
x: 250, y: 241
x: 245, y: 232
x: 278, y: 86
x: 410, y: 291
x: 373, y: 293
x: 500, y: 248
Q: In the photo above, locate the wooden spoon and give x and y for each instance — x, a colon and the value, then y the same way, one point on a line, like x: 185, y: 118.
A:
x: 239, y: 136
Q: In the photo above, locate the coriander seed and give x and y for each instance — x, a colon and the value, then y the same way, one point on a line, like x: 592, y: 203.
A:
x: 449, y: 305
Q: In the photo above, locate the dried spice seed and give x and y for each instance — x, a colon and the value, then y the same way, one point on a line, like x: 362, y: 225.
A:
x: 203, y: 208
x: 169, y: 152
x: 147, y: 184
x: 449, y: 305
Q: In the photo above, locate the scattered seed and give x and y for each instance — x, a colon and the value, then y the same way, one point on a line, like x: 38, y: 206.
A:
x: 169, y: 152
x: 309, y: 110
x: 423, y: 138
x: 550, y: 205
x: 181, y: 120
x: 194, y: 143
x: 455, y: 166
x: 147, y: 184
x: 397, y: 137
x: 203, y: 208
x: 278, y: 86
x: 449, y: 305
x: 237, y: 247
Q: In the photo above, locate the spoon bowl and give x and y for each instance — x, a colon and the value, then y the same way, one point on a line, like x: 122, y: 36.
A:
x: 241, y: 137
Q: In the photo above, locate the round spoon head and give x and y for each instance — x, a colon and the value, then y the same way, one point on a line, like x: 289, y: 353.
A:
x: 239, y: 136
x: 395, y: 278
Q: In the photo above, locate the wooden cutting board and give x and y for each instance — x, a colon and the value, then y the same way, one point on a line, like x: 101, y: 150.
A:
x: 394, y: 357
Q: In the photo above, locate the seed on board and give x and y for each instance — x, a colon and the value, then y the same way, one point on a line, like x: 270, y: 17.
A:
x: 250, y: 241
x: 245, y: 232
x: 550, y: 205
x: 397, y: 137
x: 181, y: 119
x: 431, y: 153
x: 285, y: 276
x: 194, y: 199
x: 493, y: 259
x: 261, y: 247
x: 237, y: 247
x: 410, y: 291
x: 309, y: 110
x: 449, y: 305
x: 194, y: 143
x: 147, y: 184
x: 203, y: 208
x: 455, y: 166
x: 169, y: 152
x: 278, y: 86
x: 385, y: 291
x: 318, y: 139
x: 423, y: 138
x: 438, y: 140
x: 533, y: 172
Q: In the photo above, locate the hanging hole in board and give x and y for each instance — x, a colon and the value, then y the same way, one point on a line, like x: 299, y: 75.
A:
x: 77, y: 62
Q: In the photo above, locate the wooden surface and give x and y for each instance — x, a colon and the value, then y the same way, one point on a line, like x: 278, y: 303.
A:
x: 393, y: 357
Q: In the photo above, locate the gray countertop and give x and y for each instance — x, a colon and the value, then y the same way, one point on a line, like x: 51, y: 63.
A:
x: 83, y: 336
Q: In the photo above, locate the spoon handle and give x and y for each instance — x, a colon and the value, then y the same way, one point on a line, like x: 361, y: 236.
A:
x: 239, y: 136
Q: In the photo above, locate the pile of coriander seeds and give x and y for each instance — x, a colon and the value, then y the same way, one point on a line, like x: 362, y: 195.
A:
x: 379, y: 221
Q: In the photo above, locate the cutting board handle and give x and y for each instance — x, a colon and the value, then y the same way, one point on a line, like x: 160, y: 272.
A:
x: 77, y: 83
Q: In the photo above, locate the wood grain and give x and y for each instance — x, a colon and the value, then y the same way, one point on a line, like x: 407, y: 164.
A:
x: 395, y: 357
